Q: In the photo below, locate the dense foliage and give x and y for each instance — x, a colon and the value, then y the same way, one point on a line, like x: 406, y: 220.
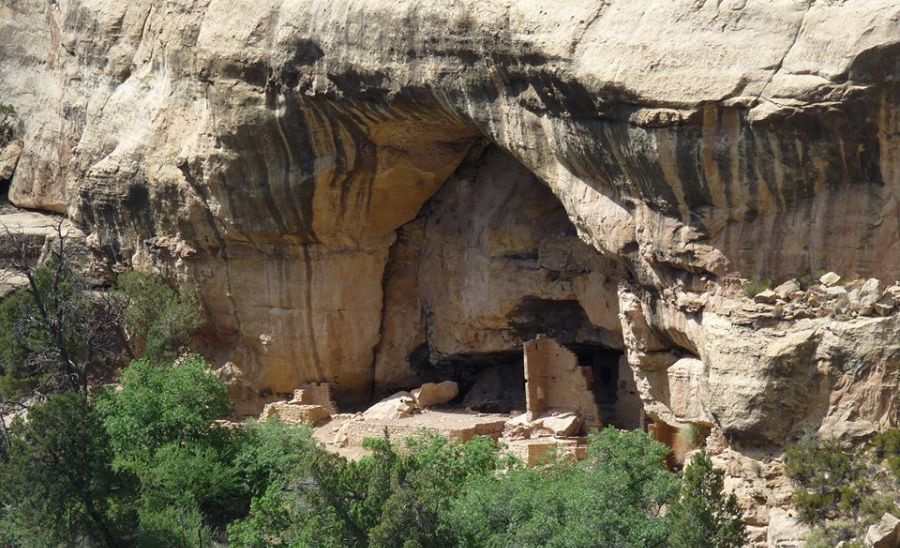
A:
x: 58, y: 484
x: 614, y: 498
x: 841, y: 490
x: 144, y: 468
x: 57, y: 333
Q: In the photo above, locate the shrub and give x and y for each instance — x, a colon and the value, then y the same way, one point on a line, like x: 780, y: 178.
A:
x: 887, y: 448
x: 271, y: 451
x: 161, y: 429
x: 702, y: 516
x: 424, y: 481
x: 841, y: 490
x: 194, y: 479
x: 52, y: 334
x: 159, y: 319
x: 389, y: 498
x: 271, y: 521
x: 754, y: 287
x: 831, y: 480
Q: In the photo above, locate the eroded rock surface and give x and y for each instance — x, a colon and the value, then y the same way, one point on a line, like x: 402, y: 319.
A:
x: 647, y: 166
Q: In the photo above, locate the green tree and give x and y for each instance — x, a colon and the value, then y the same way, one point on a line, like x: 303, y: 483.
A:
x: 271, y: 451
x: 54, y: 332
x: 424, y: 482
x: 702, y: 516
x: 614, y: 498
x: 830, y: 479
x: 389, y: 498
x: 271, y: 521
x: 58, y: 485
x: 157, y: 406
x: 161, y: 428
x: 271, y: 455
x: 159, y: 319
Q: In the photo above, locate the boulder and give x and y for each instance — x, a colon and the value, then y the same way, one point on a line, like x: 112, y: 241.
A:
x: 518, y: 427
x: 838, y: 298
x: 786, y: 290
x: 884, y: 307
x: 866, y: 297
x: 830, y: 279
x: 556, y: 423
x: 9, y: 158
x: 885, y: 533
x: 431, y: 394
x: 892, y: 293
x: 785, y: 530
x: 401, y: 404
x: 562, y: 424
x: 342, y: 437
x: 765, y: 297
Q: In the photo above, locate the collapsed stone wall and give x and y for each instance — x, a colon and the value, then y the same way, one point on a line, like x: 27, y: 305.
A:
x: 276, y: 157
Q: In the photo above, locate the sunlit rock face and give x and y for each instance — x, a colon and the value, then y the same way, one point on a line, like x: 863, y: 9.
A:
x: 318, y: 172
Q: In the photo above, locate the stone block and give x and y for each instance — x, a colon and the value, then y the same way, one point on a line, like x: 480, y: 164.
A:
x: 431, y: 394
x: 292, y: 413
x: 401, y: 404
x: 830, y: 279
x: 885, y: 533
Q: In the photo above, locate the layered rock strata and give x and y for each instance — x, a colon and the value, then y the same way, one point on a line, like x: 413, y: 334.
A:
x: 276, y: 156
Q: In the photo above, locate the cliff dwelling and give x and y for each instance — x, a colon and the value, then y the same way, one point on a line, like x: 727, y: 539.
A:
x: 491, y: 262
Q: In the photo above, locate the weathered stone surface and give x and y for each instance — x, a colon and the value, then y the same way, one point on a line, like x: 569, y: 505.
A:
x: 785, y: 530
x: 767, y: 296
x: 829, y: 279
x: 867, y: 296
x: 339, y: 143
x: 561, y: 424
x: 452, y: 425
x: 431, y: 394
x: 276, y: 156
x: 9, y: 158
x: 295, y: 413
x: 401, y: 404
x: 787, y: 289
x: 315, y: 394
x: 885, y: 533
x: 534, y: 452
x: 492, y: 260
x: 676, y: 395
x: 553, y: 379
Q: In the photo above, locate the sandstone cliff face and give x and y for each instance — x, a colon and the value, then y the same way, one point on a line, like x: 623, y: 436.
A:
x: 277, y: 155
x: 490, y: 262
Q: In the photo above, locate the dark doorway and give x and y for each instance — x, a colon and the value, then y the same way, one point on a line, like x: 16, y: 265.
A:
x: 604, y: 372
x: 488, y: 382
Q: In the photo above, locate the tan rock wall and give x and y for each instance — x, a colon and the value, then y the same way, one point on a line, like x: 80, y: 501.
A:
x: 266, y: 153
x: 491, y: 261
